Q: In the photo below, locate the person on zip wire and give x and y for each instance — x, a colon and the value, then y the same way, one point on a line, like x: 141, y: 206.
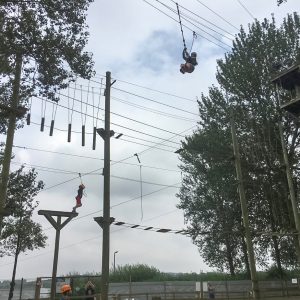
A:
x: 78, y: 197
x: 190, y: 61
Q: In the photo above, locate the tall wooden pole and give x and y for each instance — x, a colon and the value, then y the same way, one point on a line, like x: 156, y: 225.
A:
x: 106, y: 193
x: 10, y: 136
x: 244, y: 208
x: 291, y: 189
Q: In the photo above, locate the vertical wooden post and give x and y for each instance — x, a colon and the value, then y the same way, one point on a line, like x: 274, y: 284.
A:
x: 291, y: 188
x: 245, y: 213
x: 10, y: 137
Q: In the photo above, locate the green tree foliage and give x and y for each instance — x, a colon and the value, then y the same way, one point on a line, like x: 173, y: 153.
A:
x: 50, y: 36
x: 138, y: 272
x: 20, y: 233
x: 280, y: 2
x: 209, y: 195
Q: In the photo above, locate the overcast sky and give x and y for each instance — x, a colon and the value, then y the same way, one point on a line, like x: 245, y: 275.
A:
x: 141, y: 47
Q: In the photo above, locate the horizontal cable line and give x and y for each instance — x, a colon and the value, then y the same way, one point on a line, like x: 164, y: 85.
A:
x: 152, y: 100
x: 112, y: 123
x: 218, y: 15
x: 159, y: 112
x: 144, y: 140
x: 152, y: 147
x: 142, y: 181
x: 226, y: 49
x: 90, y: 133
x: 112, y: 176
x: 150, y: 89
x: 137, y: 85
x: 121, y: 116
x: 88, y: 157
x: 57, y: 152
x: 154, y: 110
x: 45, y: 169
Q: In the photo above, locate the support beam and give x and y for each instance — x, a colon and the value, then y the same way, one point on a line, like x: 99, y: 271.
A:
x: 58, y: 226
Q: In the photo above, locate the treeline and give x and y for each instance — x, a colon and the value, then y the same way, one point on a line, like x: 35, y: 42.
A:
x: 209, y: 195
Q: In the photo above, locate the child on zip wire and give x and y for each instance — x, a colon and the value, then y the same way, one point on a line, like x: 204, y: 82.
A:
x: 79, y: 195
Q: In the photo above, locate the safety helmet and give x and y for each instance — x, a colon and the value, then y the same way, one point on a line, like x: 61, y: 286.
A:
x: 193, y: 54
x: 65, y: 288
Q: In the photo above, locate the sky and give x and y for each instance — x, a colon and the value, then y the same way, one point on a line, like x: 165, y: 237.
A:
x: 154, y: 106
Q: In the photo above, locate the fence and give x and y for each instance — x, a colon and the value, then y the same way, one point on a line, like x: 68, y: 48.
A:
x: 169, y: 290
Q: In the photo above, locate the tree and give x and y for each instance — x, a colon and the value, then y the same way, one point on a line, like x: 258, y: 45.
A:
x: 244, y: 78
x: 50, y: 36
x: 20, y: 233
x: 279, y: 2
x: 138, y: 272
x: 41, y: 51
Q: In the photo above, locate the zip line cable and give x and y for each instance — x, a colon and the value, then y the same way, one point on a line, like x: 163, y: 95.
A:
x: 112, y: 176
x: 87, y: 157
x: 174, y: 11
x: 151, y: 89
x: 227, y: 32
x: 246, y: 9
x: 154, y: 110
x: 99, y: 76
x: 152, y: 100
x: 185, y: 26
x: 218, y: 15
x: 146, y: 108
x: 188, y: 18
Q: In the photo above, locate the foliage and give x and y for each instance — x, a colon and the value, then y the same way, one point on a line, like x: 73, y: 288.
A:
x: 138, y: 272
x: 209, y: 195
x: 50, y: 36
x: 20, y: 233
x: 280, y: 2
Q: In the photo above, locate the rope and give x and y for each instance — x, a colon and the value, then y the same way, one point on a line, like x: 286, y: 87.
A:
x: 194, y: 37
x: 180, y: 25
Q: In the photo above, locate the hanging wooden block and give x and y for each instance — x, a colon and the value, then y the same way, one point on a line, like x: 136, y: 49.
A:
x: 83, y: 136
x: 43, y: 124
x: 94, y: 138
x: 69, y: 132
x: 51, y: 127
x: 28, y: 119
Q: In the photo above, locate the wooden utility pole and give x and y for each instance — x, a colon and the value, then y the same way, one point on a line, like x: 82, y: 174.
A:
x: 244, y: 208
x: 106, y: 220
x: 10, y: 137
x: 291, y: 189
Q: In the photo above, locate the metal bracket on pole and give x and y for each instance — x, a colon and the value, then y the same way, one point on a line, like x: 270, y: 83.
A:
x: 101, y: 221
x: 101, y: 132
